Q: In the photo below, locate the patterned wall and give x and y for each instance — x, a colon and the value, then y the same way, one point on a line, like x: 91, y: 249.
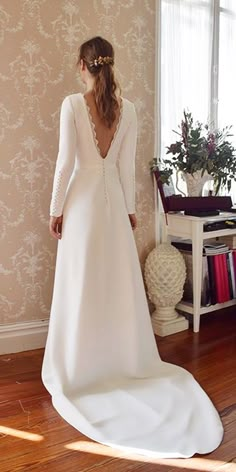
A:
x: 38, y: 46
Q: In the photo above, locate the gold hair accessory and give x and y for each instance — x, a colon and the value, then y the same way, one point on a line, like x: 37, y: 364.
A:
x: 100, y: 61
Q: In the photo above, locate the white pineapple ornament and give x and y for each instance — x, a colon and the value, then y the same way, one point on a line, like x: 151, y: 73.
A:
x: 165, y: 274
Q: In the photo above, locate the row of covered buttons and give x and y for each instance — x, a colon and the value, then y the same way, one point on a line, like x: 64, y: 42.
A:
x: 104, y: 179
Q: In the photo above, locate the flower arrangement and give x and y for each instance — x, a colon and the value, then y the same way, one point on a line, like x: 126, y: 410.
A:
x: 200, y: 149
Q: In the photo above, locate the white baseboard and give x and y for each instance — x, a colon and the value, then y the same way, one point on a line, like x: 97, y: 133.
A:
x: 21, y: 337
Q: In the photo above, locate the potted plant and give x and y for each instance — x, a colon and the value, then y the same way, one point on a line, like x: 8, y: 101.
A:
x: 200, y: 154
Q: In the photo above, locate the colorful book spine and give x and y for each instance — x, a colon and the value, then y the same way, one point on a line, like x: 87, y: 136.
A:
x: 232, y: 273
x: 234, y: 261
x: 225, y: 278
x: 218, y: 278
x: 218, y: 275
x: 212, y: 279
x: 230, y: 282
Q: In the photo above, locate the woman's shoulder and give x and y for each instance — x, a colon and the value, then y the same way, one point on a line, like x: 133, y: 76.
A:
x: 128, y: 109
x: 127, y: 102
x: 73, y: 98
x: 128, y: 105
x: 72, y: 103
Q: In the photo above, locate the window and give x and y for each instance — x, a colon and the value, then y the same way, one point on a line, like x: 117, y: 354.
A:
x: 197, y: 64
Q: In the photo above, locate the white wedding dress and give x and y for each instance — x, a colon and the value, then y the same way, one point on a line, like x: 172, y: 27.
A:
x: 101, y: 363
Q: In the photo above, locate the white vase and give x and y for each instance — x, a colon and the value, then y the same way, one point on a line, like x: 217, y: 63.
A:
x: 165, y: 274
x: 195, y: 182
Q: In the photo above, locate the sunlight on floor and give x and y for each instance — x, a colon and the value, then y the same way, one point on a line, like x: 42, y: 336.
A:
x: 205, y: 465
x: 17, y: 433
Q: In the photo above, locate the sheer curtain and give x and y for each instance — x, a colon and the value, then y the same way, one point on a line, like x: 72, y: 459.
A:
x: 186, y: 55
x: 227, y: 65
x: 198, y: 66
x: 227, y: 71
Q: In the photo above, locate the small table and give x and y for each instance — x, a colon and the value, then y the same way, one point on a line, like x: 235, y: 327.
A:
x: 191, y: 227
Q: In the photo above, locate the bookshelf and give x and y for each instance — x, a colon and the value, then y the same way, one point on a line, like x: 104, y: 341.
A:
x: 191, y: 227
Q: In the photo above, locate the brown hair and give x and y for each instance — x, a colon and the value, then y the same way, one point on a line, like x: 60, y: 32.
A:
x: 92, y: 52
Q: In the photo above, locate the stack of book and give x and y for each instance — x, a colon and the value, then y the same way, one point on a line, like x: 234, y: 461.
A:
x: 218, y: 271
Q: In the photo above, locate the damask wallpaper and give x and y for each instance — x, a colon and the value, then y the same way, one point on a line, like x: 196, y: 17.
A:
x: 39, y: 40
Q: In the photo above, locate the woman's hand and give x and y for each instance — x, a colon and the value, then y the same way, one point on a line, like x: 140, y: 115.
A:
x: 133, y: 221
x: 55, y: 226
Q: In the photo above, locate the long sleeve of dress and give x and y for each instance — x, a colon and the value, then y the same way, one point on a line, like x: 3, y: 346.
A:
x: 65, y: 159
x: 126, y: 163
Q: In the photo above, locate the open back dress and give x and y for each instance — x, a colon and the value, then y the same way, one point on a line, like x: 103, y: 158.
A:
x: 101, y: 363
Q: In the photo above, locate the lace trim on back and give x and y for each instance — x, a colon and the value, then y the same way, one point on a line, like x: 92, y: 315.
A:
x: 93, y: 127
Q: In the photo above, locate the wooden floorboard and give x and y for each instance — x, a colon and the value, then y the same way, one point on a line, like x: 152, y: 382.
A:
x: 34, y: 438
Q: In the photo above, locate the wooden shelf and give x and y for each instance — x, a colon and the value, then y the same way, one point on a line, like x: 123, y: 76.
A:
x: 187, y: 307
x: 218, y: 233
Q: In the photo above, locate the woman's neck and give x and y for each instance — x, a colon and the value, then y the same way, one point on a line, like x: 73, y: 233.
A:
x: 90, y: 84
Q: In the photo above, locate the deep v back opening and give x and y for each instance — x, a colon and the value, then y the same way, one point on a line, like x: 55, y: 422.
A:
x: 93, y: 128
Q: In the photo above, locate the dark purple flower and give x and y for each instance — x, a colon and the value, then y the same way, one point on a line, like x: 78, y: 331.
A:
x: 211, y: 143
x: 173, y: 148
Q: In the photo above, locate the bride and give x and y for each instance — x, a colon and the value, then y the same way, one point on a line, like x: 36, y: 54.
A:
x: 101, y: 363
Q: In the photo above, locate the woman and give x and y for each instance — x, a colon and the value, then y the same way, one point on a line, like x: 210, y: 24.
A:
x: 101, y: 363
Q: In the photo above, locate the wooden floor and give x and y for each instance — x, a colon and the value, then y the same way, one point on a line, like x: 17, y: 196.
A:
x: 35, y: 438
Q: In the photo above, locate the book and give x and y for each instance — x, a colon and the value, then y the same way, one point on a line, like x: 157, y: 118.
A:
x: 215, y: 248
x: 212, y: 280
x: 218, y: 278
x: 229, y: 275
x: 234, y: 262
x: 232, y: 274
x: 218, y: 264
x: 210, y: 247
x: 225, y: 278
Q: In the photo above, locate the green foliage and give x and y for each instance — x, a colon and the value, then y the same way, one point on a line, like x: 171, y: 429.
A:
x: 198, y: 148
x: 164, y: 173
